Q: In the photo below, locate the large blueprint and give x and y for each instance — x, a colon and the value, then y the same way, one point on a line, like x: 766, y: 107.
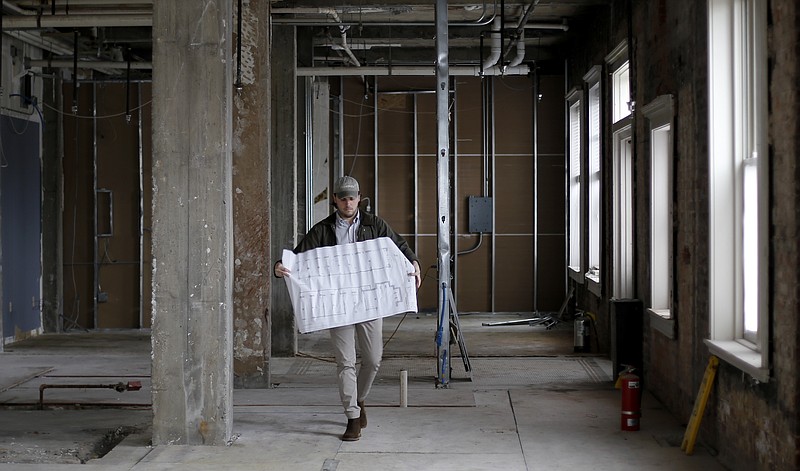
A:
x: 349, y: 283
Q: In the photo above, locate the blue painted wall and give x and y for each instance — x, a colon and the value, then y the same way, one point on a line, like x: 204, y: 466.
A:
x: 20, y: 221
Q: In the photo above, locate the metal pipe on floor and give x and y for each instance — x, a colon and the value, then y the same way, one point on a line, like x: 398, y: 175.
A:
x: 119, y: 387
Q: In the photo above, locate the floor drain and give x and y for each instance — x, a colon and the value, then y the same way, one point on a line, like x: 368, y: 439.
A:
x: 107, y: 443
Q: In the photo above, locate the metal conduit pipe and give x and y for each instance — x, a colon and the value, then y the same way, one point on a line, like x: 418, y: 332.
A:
x: 119, y: 387
x: 464, y: 70
x: 76, y: 21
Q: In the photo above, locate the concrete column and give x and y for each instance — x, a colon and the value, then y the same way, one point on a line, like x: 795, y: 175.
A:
x: 284, y: 185
x: 251, y: 206
x: 192, y: 223
x: 52, y: 201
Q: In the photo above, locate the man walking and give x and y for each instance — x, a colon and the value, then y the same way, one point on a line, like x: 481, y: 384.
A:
x: 348, y: 225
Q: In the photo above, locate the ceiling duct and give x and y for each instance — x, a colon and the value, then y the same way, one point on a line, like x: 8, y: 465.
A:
x: 496, y: 45
x: 517, y: 60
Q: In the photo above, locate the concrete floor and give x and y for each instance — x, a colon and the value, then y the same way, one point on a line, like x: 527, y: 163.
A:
x: 531, y: 405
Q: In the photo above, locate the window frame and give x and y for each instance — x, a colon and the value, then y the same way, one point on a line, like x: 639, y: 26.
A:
x: 575, y: 238
x: 660, y: 116
x: 737, y: 123
x: 622, y: 203
x: 594, y: 181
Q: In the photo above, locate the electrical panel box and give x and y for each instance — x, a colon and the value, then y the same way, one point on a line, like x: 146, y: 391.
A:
x: 480, y: 214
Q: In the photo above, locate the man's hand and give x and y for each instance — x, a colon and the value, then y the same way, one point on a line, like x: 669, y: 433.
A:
x: 416, y: 274
x: 281, y: 271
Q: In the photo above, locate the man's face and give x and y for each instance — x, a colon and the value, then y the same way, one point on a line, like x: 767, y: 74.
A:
x: 347, y: 206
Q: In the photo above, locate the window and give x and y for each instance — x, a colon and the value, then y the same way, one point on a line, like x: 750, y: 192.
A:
x: 593, y: 82
x: 620, y: 84
x: 622, y: 175
x: 659, y: 114
x: 574, y: 183
x: 623, y: 214
x: 738, y: 184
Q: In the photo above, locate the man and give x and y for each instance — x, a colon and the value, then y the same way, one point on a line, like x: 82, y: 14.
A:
x: 348, y: 225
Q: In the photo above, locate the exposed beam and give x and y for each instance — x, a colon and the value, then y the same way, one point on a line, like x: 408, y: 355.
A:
x: 75, y: 21
x: 84, y: 64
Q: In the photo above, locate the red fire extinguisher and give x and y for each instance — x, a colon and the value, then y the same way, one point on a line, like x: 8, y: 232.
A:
x: 631, y: 400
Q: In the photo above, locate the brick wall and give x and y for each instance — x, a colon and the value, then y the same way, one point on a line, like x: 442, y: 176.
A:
x: 753, y: 425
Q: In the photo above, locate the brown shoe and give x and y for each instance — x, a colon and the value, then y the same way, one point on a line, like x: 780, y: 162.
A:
x: 353, y: 431
x: 363, y: 418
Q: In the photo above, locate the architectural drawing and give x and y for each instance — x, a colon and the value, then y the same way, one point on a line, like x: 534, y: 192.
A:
x: 350, y: 283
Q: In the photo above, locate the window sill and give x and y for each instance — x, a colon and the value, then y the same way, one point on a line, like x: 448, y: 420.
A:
x: 740, y: 356
x: 575, y: 274
x: 661, y: 321
x: 593, y: 283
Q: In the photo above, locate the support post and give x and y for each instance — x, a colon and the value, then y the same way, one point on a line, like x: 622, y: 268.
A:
x: 192, y: 384
x: 443, y: 192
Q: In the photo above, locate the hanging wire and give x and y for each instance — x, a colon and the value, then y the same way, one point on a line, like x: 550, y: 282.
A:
x: 96, y: 117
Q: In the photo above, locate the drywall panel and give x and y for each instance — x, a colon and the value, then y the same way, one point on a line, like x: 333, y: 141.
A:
x: 550, y: 129
x: 469, y: 183
x: 78, y: 208
x: 469, y: 116
x: 428, y: 195
x: 473, y: 276
x: 514, y: 194
x: 395, y: 124
x: 117, y: 169
x: 514, y: 274
x: 427, y: 129
x: 396, y: 183
x: 513, y: 115
x: 551, y: 255
x: 428, y: 293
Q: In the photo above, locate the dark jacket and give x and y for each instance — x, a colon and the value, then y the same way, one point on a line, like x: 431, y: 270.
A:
x: 323, y: 234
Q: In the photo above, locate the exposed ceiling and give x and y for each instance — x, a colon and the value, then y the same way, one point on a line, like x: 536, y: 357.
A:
x: 391, y: 33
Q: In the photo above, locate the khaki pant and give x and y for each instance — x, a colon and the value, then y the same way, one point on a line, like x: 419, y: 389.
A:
x: 370, y: 342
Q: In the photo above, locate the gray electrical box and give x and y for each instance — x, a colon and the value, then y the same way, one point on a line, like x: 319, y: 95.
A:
x: 480, y: 214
